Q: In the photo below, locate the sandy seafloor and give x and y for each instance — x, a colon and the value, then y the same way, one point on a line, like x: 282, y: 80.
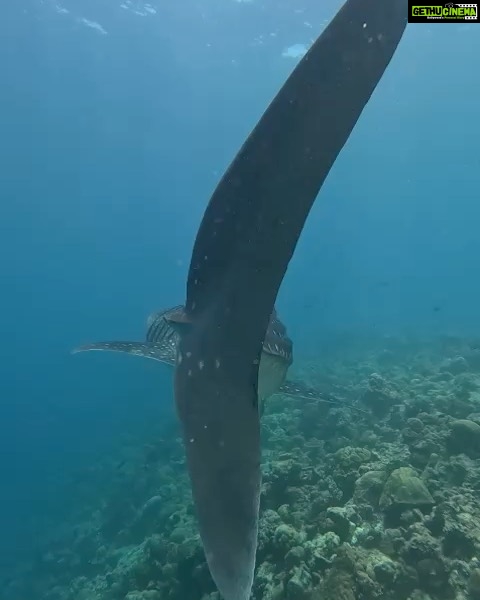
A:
x: 382, y: 502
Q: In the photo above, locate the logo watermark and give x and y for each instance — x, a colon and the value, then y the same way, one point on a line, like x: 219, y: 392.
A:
x: 447, y: 12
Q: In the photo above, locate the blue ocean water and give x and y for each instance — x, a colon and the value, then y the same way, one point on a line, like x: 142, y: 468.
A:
x: 116, y: 122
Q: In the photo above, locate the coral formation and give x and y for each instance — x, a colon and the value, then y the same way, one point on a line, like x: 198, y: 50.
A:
x: 379, y: 504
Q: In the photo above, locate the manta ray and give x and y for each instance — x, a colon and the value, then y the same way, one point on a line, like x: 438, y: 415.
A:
x: 277, y: 356
x: 242, y: 250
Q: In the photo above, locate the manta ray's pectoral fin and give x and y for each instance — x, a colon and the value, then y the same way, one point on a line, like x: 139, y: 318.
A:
x: 297, y: 389
x: 160, y: 352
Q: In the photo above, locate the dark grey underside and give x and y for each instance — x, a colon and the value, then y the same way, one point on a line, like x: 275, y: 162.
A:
x: 246, y: 239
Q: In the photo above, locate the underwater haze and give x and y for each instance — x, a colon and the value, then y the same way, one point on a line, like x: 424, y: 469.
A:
x: 117, y: 120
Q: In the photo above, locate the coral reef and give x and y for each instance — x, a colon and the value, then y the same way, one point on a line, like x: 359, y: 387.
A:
x: 381, y: 503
